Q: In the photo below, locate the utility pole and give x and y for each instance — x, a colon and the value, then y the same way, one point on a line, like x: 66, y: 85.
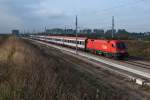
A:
x: 76, y: 23
x: 113, y: 25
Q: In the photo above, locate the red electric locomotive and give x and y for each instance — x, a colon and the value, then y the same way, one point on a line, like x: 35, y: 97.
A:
x: 109, y: 48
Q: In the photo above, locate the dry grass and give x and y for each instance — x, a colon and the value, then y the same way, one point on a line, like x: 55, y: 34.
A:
x: 27, y: 73
x: 139, y: 49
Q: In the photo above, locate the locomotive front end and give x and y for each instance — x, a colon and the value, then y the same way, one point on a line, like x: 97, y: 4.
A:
x: 121, y: 50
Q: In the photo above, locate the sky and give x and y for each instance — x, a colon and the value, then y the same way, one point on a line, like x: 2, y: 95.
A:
x: 35, y: 15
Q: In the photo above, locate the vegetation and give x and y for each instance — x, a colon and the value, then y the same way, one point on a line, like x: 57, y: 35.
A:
x: 139, y: 49
x: 29, y: 73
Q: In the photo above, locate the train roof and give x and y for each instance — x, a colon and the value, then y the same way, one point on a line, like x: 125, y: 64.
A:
x: 68, y: 37
x: 116, y: 41
x: 80, y: 38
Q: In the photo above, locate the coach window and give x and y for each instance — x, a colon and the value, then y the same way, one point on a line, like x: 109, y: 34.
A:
x: 79, y: 42
x: 72, y: 41
x: 82, y: 43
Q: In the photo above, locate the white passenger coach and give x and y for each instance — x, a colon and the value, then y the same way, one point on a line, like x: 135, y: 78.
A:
x: 63, y: 40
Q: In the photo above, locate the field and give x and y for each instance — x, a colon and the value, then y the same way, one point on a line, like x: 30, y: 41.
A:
x: 34, y: 72
x: 139, y: 49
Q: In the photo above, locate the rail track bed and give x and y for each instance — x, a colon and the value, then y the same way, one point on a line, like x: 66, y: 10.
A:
x: 134, y: 71
x: 142, y: 65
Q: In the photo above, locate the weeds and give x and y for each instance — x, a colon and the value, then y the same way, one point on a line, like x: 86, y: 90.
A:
x: 28, y: 73
x: 139, y: 49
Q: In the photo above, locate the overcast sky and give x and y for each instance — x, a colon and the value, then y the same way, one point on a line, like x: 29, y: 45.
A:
x: 29, y: 15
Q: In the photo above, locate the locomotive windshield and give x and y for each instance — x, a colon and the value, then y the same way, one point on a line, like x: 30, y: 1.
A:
x: 121, y: 45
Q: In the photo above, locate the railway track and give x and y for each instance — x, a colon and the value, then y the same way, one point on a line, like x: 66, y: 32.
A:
x: 142, y: 65
x: 132, y: 61
x: 126, y: 68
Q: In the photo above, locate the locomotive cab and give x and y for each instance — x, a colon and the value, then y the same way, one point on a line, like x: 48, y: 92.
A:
x: 120, y: 49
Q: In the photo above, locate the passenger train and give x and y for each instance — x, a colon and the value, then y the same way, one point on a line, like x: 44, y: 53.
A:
x: 109, y: 48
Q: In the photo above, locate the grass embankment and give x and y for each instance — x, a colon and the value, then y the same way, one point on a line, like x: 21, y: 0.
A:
x: 139, y: 49
x: 27, y: 73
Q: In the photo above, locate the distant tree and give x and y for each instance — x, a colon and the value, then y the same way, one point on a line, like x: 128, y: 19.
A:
x: 122, y: 31
x: 110, y: 32
x: 98, y: 31
x: 123, y: 34
x: 86, y: 31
